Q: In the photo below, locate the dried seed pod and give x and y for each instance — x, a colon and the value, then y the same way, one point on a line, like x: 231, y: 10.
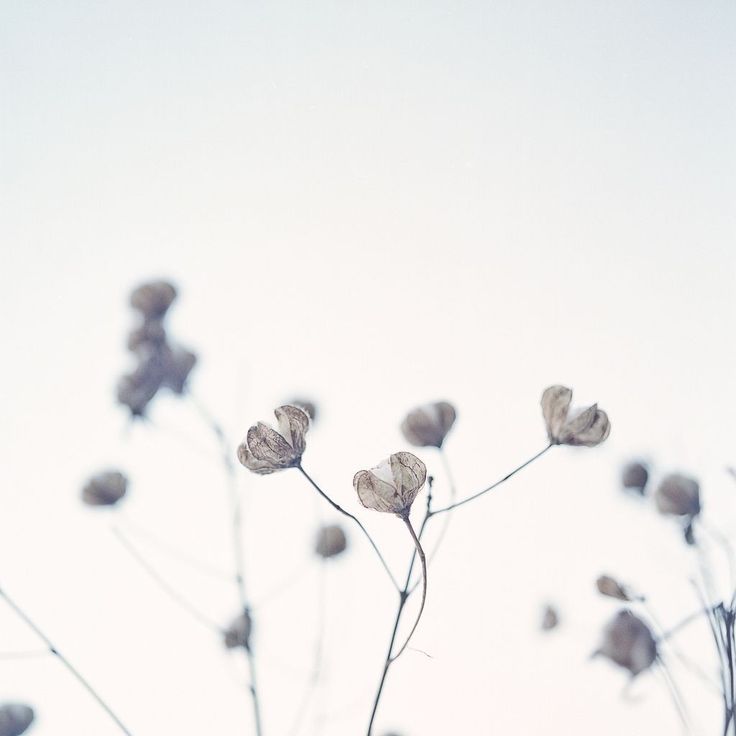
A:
x: 678, y: 495
x: 238, y: 632
x: 634, y: 477
x: 308, y: 406
x: 153, y: 299
x: 264, y: 450
x: 105, y: 489
x: 151, y: 333
x: 610, y: 587
x: 331, y: 541
x: 393, y: 485
x: 15, y: 719
x: 588, y: 427
x: 550, y: 618
x: 428, y: 425
x: 137, y: 389
x: 178, y: 366
x: 629, y: 643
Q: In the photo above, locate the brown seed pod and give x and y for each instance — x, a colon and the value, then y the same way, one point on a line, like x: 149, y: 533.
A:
x: 105, y: 489
x: 678, y: 495
x: 15, y: 719
x: 151, y: 333
x: 629, y: 643
x: 611, y: 588
x: 428, y: 425
x: 550, y: 618
x: 238, y: 632
x: 179, y: 364
x: 588, y: 427
x: 634, y: 477
x: 393, y: 485
x: 331, y: 541
x: 308, y: 406
x: 153, y: 298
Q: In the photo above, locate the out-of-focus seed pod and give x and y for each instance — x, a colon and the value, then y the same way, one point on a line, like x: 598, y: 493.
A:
x: 264, y: 450
x: 149, y: 334
x: 179, y: 365
x: 308, y: 406
x: 153, y: 299
x: 105, y: 489
x: 678, y: 495
x: 629, y: 643
x: 550, y: 618
x: 610, y: 587
x: 634, y: 477
x: 331, y: 541
x: 428, y: 425
x: 238, y: 632
x: 393, y: 485
x: 588, y: 427
x: 688, y: 533
x: 15, y: 719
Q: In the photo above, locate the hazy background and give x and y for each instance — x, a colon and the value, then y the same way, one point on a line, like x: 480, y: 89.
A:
x: 373, y: 204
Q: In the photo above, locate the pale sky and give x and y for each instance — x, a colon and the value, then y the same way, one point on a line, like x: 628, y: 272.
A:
x: 375, y: 205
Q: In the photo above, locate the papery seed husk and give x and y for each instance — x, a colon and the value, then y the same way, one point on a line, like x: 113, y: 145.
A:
x: 635, y: 476
x: 105, y: 489
x: 678, y: 495
x: 331, y: 541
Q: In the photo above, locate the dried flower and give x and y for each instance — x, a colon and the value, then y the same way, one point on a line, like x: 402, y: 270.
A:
x: 15, y: 719
x: 628, y: 642
x: 588, y: 427
x: 153, y: 299
x: 550, y: 618
x: 428, y: 425
x: 179, y: 363
x: 678, y: 495
x: 238, y: 632
x: 308, y: 406
x: 149, y: 334
x: 331, y: 541
x: 393, y: 485
x: 105, y: 489
x: 610, y: 587
x: 635, y: 476
x: 264, y: 450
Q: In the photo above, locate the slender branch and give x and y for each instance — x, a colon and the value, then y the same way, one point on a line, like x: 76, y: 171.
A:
x: 341, y: 510
x: 64, y: 661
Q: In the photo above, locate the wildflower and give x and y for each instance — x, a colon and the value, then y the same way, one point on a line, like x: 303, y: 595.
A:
x: 331, y: 541
x: 610, y: 587
x: 238, y: 633
x: 153, y: 299
x: 105, y: 489
x: 634, y: 477
x: 588, y: 427
x: 393, y: 485
x: 15, y: 719
x: 629, y: 643
x: 428, y: 425
x: 550, y: 618
x: 678, y: 495
x: 264, y: 450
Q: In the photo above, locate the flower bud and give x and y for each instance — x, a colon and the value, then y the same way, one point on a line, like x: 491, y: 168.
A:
x: 428, y: 425
x: 15, y: 719
x: 331, y: 541
x: 629, y: 643
x: 678, y: 495
x: 610, y: 587
x: 634, y: 477
x: 105, y: 489
x: 393, y: 485
x: 587, y: 427
x: 550, y: 618
x: 264, y: 450
x: 153, y: 299
x: 238, y: 633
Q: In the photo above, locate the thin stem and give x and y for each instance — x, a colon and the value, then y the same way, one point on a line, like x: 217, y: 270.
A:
x: 253, y: 687
x: 341, y: 510
x: 423, y: 560
x: 64, y: 661
x: 675, y: 694
x: 453, y: 494
x: 685, y: 622
x: 457, y: 504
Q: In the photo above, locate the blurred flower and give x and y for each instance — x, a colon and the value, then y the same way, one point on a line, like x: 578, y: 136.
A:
x: 308, y: 406
x: 550, y: 618
x: 331, y: 541
x: 137, y: 389
x: 150, y: 333
x: 178, y: 364
x: 153, y: 299
x: 238, y: 633
x: 15, y: 719
x: 628, y: 642
x: 264, y: 450
x: 428, y: 425
x: 588, y: 427
x: 678, y: 495
x: 393, y: 485
x: 105, y: 489
x: 610, y: 587
x: 635, y: 476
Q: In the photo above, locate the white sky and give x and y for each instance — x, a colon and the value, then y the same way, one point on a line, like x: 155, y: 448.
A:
x: 375, y: 204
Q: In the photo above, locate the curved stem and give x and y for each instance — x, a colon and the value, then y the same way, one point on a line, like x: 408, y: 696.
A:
x: 423, y: 560
x: 64, y: 661
x: 341, y: 510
